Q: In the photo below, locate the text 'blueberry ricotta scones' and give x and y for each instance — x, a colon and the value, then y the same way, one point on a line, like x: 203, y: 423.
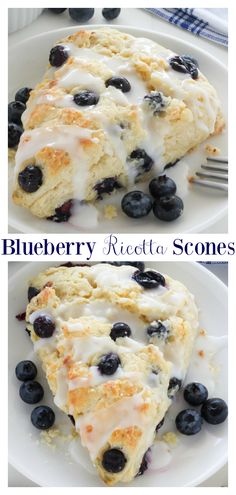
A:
x: 111, y: 110
x: 115, y: 344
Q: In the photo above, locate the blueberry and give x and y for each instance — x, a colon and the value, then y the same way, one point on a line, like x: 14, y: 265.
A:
x: 149, y: 279
x: 58, y: 55
x: 195, y: 393
x: 156, y: 101
x: 14, y: 134
x: 42, y: 417
x: 171, y: 164
x: 31, y: 392
x: 21, y: 316
x: 214, y: 411
x: 184, y: 64
x: 72, y: 419
x: 63, y: 213
x: 57, y: 11
x: 144, y: 464
x: 81, y: 15
x: 137, y: 264
x: 157, y: 329
x: 174, y: 386
x: 188, y: 422
x: 119, y: 83
x: 26, y: 370
x: 136, y: 204
x: 193, y: 60
x: 109, y: 363
x: 15, y: 110
x: 113, y: 460
x: 162, y: 186
x: 86, y: 98
x: 158, y: 427
x: 44, y: 327
x: 32, y: 292
x: 23, y: 94
x: 120, y: 329
x: 28, y: 332
x: 168, y: 208
x: 106, y: 186
x: 31, y: 178
x: 110, y: 14
x: 143, y: 161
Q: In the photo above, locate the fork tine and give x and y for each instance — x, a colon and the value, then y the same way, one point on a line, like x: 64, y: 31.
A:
x: 211, y: 184
x: 220, y: 176
x: 217, y: 159
x: 218, y: 168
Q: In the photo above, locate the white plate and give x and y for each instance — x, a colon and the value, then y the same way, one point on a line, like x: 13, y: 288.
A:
x: 203, y: 207
x: 195, y: 459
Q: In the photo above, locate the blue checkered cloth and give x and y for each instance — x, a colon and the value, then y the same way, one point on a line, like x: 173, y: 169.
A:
x: 189, y: 19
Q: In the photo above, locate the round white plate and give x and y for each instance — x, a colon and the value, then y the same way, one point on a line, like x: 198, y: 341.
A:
x: 203, y: 206
x: 194, y: 460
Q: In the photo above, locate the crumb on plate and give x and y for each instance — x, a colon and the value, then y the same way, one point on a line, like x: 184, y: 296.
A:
x: 212, y: 150
x: 170, y: 437
x: 110, y: 212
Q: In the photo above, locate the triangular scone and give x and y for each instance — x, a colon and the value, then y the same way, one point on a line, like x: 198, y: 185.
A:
x: 84, y: 151
x: 117, y: 390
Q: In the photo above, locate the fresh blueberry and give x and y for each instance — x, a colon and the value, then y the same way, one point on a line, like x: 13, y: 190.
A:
x: 31, y: 178
x: 57, y: 11
x: 158, y: 427
x: 44, y: 327
x: 106, y: 186
x: 136, y: 204
x: 111, y: 14
x: 113, y: 460
x: 119, y: 83
x: 184, y: 64
x: 15, y: 110
x: 72, y: 419
x: 86, y: 98
x: 149, y: 279
x: 156, y: 102
x: 174, y: 386
x: 32, y: 292
x: 137, y: 264
x: 168, y: 208
x: 195, y: 393
x: 42, y: 417
x: 162, y: 186
x: 26, y: 370
x: 63, y: 213
x: 120, y: 329
x: 81, y: 15
x: 142, y: 160
x: 14, y: 134
x: 157, y: 329
x: 144, y: 464
x: 188, y: 422
x: 214, y: 411
x: 58, y: 55
x: 23, y: 94
x: 109, y: 363
x: 31, y: 392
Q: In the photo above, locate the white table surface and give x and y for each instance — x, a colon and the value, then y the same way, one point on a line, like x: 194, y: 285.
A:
x: 139, y: 18
x: 218, y: 480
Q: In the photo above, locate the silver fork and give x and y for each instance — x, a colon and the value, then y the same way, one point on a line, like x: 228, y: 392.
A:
x: 216, y: 175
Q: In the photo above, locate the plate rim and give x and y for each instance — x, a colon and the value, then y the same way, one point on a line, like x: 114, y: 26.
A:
x: 206, y: 223
x: 195, y: 266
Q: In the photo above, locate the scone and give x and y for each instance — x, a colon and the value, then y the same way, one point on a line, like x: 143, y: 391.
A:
x: 111, y: 110
x: 115, y: 343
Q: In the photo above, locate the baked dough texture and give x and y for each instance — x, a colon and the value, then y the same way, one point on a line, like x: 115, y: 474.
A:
x: 78, y: 147
x: 121, y: 410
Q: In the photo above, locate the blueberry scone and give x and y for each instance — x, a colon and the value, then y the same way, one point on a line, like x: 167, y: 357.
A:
x: 115, y: 344
x: 110, y: 111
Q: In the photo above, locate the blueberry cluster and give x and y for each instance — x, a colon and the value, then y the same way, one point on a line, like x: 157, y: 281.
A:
x: 15, y: 110
x: 84, y: 15
x: 31, y: 392
x: 163, y: 201
x: 214, y: 411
